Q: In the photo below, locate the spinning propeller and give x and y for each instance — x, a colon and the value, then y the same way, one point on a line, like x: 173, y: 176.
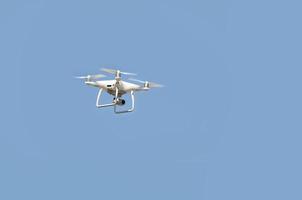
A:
x: 91, y: 77
x: 147, y: 84
x: 117, y: 72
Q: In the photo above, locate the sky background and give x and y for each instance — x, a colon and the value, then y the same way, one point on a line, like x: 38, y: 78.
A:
x: 226, y: 126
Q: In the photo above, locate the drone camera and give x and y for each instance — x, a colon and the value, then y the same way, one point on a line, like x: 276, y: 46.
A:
x: 121, y: 102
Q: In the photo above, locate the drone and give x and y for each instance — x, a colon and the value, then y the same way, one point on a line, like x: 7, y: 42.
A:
x: 117, y: 88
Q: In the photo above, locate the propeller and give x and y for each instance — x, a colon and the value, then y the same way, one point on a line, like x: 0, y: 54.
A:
x: 117, y: 72
x: 147, y: 84
x: 89, y: 77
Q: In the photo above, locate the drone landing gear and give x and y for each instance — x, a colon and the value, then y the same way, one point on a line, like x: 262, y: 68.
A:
x: 125, y: 111
x: 98, y: 103
x: 116, y: 101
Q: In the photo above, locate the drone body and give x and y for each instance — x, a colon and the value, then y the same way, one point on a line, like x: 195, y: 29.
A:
x: 117, y: 88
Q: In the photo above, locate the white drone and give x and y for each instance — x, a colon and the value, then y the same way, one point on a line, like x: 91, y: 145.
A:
x: 117, y: 88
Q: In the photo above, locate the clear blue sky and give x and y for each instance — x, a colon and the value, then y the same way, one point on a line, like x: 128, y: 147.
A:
x: 226, y: 126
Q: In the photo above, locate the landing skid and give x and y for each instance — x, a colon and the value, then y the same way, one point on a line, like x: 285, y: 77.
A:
x: 99, y: 105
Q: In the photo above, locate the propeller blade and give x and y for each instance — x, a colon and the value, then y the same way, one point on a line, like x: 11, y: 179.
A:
x: 81, y: 77
x: 128, y: 73
x: 147, y: 83
x: 91, y: 76
x: 114, y: 71
x: 110, y: 71
x: 155, y: 85
x: 136, y: 80
x: 98, y: 76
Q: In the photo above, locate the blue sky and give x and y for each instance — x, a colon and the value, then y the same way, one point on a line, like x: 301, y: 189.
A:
x: 226, y: 126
